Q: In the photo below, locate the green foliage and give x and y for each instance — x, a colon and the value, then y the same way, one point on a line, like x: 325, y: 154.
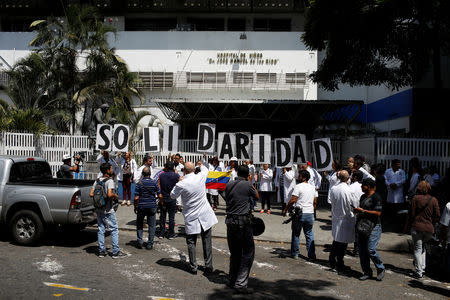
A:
x: 373, y: 42
x: 71, y: 68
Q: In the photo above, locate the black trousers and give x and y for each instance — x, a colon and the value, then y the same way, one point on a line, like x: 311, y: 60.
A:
x: 242, y: 252
x: 265, y: 198
x: 191, y: 241
x: 337, y: 254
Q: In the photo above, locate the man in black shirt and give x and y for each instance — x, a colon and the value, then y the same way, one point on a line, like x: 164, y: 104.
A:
x: 239, y: 229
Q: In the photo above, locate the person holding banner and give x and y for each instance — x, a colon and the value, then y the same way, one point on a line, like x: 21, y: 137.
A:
x: 128, y: 168
x: 265, y: 186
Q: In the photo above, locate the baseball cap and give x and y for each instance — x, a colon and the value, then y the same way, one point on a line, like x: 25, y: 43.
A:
x: 233, y: 158
x: 308, y: 163
x: 66, y: 157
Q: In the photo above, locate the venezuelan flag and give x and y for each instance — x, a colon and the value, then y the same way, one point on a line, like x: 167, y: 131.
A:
x: 217, y: 180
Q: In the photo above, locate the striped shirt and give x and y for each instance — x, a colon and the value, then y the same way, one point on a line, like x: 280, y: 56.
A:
x: 147, y: 189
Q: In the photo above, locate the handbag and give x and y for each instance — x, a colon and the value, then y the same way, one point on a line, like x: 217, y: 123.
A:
x: 364, y: 227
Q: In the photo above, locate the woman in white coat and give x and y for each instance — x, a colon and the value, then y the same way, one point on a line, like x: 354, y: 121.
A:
x: 265, y: 186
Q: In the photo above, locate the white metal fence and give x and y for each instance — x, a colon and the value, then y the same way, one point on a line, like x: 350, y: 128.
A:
x: 376, y: 150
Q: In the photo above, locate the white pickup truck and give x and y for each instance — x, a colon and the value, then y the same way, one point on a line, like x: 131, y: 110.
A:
x: 31, y: 199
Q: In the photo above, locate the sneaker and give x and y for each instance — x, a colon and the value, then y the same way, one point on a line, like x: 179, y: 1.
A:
x: 261, y: 211
x: 102, y: 254
x: 139, y: 246
x: 380, y: 275
x: 172, y: 237
x: 417, y: 275
x: 295, y: 257
x: 149, y: 247
x: 268, y: 211
x: 123, y: 203
x: 365, y: 277
x: 119, y: 254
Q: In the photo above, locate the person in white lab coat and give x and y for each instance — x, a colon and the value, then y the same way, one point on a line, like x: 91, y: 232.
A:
x: 332, y: 178
x: 289, y: 183
x: 199, y: 217
x: 342, y: 220
x: 395, y: 179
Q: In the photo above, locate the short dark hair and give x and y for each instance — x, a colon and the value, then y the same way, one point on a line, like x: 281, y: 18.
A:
x: 178, y: 154
x: 305, y: 174
x: 169, y: 166
x: 358, y: 175
x: 146, y: 172
x: 104, y: 167
x: 369, y: 182
x: 337, y: 164
x: 395, y: 161
x: 146, y: 158
x: 243, y: 171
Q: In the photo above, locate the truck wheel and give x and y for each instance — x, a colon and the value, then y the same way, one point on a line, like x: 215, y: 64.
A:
x: 26, y: 227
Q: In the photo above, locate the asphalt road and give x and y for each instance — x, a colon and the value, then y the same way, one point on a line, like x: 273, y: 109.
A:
x: 65, y: 266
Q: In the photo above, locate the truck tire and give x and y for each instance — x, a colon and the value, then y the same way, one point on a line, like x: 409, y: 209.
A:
x: 26, y: 227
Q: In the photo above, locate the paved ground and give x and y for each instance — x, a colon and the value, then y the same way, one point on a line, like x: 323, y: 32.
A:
x: 275, y: 230
x: 65, y: 265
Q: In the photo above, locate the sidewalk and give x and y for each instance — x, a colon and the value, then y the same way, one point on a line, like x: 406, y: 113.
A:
x: 275, y: 230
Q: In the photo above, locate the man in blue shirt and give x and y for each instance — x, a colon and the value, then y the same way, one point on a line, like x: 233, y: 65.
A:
x: 167, y: 181
x: 145, y: 205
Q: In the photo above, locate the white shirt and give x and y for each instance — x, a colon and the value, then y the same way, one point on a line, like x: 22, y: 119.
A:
x: 413, y: 182
x: 138, y: 174
x: 445, y: 220
x: 357, y: 191
x: 121, y: 162
x: 305, y: 193
x: 233, y: 174
x: 315, y: 179
x: 343, y: 219
x: 366, y: 174
x: 179, y: 168
x: 334, y: 180
x: 197, y: 212
x: 289, y: 184
x: 399, y: 178
x: 265, y: 180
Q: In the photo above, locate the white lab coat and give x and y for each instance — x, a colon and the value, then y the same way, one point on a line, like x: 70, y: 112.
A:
x: 265, y: 180
x: 333, y: 180
x: 356, y: 189
x: 366, y: 174
x: 233, y: 174
x: 289, y: 184
x: 342, y: 216
x: 197, y: 211
x: 120, y: 162
x: 399, y: 178
x: 279, y: 183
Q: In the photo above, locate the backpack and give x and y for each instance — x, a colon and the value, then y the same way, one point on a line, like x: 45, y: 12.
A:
x: 100, y: 194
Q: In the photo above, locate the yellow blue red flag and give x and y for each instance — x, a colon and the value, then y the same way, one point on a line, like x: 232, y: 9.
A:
x: 217, y: 180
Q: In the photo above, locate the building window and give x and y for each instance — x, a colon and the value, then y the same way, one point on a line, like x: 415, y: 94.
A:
x: 150, y: 24
x: 296, y: 78
x: 201, y: 24
x: 242, y: 77
x: 155, y: 80
x: 236, y: 24
x: 266, y: 77
x: 200, y: 77
x: 272, y: 24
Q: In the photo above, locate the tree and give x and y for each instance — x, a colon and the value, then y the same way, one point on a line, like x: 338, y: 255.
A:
x: 374, y: 42
x: 72, y: 69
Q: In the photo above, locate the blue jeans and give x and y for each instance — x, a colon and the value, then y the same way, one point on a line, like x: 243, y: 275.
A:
x: 150, y: 213
x: 306, y: 222
x: 109, y: 220
x: 368, y: 251
x: 169, y: 207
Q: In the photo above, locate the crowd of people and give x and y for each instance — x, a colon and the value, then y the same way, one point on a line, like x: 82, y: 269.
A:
x: 364, y: 200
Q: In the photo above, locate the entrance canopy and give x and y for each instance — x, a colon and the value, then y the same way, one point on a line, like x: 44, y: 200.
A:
x: 279, y: 118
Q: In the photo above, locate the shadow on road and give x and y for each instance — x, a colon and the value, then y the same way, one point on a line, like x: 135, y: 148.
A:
x: 280, y: 289
x: 430, y: 288
x: 177, y: 264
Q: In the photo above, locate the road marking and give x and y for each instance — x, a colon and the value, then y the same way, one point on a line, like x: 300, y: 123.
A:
x: 65, y: 286
x: 161, y: 298
x: 58, y: 295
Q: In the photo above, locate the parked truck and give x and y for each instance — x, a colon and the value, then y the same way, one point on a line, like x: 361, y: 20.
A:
x: 31, y: 200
